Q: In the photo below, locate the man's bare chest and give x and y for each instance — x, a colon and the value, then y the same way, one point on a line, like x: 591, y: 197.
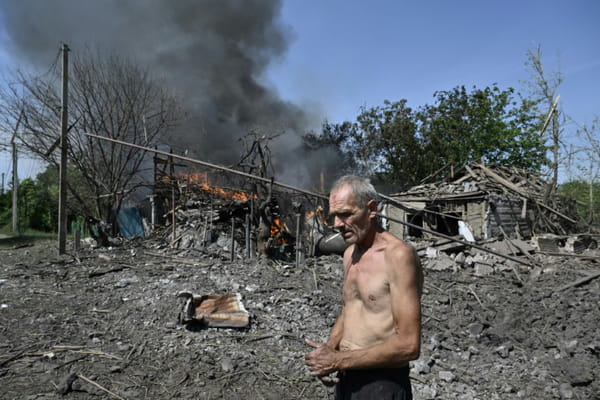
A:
x: 367, y: 283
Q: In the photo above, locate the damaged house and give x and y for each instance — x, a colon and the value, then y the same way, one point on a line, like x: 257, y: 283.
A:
x: 479, y: 203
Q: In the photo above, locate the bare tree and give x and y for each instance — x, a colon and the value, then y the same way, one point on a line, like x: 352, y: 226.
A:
x: 590, y: 135
x: 544, y: 87
x: 108, y: 96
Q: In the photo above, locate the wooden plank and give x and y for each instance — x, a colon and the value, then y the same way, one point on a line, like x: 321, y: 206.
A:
x: 518, y: 190
x: 580, y: 281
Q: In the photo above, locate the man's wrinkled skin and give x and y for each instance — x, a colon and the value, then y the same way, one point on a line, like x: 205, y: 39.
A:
x: 380, y: 322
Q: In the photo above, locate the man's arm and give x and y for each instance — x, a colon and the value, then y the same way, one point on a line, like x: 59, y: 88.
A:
x: 335, y: 335
x: 332, y: 344
x: 337, y: 330
x: 405, y: 278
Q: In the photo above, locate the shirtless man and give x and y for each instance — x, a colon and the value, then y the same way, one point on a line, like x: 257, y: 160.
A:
x: 379, y: 329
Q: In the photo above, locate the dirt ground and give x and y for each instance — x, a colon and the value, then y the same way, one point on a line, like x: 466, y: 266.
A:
x: 102, y: 323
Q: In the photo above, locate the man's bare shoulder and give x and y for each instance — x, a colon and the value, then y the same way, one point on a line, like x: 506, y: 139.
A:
x: 395, y: 246
x: 403, y: 264
x: 398, y: 253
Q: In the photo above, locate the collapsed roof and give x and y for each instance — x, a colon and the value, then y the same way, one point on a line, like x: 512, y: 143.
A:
x: 484, y: 202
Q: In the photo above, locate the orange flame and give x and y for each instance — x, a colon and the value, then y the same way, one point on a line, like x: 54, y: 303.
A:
x: 278, y: 229
x: 201, y: 180
x: 319, y: 214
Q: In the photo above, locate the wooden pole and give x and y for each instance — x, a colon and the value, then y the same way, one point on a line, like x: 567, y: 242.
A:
x: 251, y: 230
x: 62, y: 191
x: 591, y: 191
x: 298, y: 241
x: 15, y: 177
x: 173, y: 183
x: 232, y: 238
x: 247, y: 236
x: 15, y: 186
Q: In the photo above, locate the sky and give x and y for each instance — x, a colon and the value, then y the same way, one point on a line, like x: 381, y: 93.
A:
x: 344, y: 55
x: 348, y: 54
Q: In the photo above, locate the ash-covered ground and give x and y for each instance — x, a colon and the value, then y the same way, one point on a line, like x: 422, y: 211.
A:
x: 103, y: 324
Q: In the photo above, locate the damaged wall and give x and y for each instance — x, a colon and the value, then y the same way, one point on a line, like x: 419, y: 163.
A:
x: 489, y: 202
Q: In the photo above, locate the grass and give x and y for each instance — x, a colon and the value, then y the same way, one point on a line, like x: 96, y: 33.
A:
x: 28, y: 237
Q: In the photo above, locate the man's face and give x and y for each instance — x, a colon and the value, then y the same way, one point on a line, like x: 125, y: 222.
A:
x: 350, y: 219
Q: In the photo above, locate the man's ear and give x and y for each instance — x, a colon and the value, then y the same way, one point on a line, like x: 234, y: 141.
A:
x: 372, y: 206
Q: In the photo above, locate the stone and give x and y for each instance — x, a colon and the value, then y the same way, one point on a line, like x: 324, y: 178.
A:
x: 430, y: 252
x: 483, y: 269
x: 504, y: 350
x: 421, y: 366
x: 566, y: 391
x: 446, y: 376
x: 227, y: 364
x: 475, y: 329
x: 428, y: 393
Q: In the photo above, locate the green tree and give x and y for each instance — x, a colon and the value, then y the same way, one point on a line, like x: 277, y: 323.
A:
x: 587, y: 195
x: 45, y: 211
x: 401, y: 146
x: 387, y: 143
x: 488, y: 124
x: 38, y: 200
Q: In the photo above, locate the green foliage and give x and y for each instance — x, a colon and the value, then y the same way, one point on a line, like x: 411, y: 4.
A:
x: 387, y: 142
x: 401, y: 146
x: 37, y: 203
x: 485, y: 123
x: 582, y: 192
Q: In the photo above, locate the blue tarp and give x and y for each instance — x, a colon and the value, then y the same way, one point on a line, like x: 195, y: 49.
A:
x: 130, y: 223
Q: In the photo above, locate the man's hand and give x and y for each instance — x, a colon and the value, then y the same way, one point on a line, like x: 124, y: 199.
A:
x: 321, y: 362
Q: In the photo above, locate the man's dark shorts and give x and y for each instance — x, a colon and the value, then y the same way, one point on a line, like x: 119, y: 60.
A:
x: 380, y: 384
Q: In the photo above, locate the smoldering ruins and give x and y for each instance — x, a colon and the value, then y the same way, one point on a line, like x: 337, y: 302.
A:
x: 214, y: 279
x: 190, y: 314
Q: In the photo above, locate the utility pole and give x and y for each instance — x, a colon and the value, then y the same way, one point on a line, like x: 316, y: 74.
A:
x: 15, y: 177
x: 62, y: 195
x: 15, y: 186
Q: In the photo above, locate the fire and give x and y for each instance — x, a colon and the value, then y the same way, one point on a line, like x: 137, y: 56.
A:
x: 279, y: 231
x: 319, y: 214
x: 200, y: 179
x: 277, y: 227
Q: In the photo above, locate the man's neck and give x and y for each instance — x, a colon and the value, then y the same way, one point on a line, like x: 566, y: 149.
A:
x: 369, y: 239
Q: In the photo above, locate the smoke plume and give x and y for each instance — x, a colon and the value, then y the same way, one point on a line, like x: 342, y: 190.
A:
x: 214, y: 54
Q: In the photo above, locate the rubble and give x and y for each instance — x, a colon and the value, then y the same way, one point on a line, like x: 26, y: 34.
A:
x: 481, y: 203
x: 508, y: 310
x: 484, y: 337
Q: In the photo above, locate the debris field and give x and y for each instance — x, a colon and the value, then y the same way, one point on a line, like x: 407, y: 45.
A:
x: 106, y: 323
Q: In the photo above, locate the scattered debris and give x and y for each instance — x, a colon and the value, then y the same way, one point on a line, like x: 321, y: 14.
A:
x: 226, y: 311
x: 492, y: 203
x: 477, y: 316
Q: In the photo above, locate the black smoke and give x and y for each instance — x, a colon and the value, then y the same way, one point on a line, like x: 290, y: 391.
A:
x: 214, y: 54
